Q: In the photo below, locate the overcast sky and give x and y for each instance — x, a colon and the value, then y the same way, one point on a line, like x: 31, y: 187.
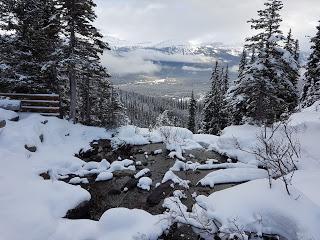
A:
x: 198, y: 20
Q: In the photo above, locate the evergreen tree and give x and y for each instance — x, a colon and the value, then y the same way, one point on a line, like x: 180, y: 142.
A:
x: 225, y: 83
x: 291, y: 69
x: 30, y: 44
x: 192, y: 114
x: 297, y: 51
x: 265, y: 91
x: 243, y: 63
x: 117, y: 116
x: 83, y: 46
x: 214, y: 115
x: 311, y: 89
x: 253, y: 55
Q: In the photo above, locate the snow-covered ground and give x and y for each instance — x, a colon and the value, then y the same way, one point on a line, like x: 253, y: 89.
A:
x: 253, y: 206
x: 33, y: 208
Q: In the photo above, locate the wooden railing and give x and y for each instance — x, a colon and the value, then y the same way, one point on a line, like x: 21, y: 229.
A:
x: 45, y: 104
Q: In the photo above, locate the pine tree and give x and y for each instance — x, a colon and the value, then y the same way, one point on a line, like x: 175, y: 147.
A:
x: 311, y: 89
x: 243, y: 63
x: 83, y: 46
x: 214, y: 116
x: 253, y: 55
x: 291, y: 69
x: 192, y: 113
x: 31, y: 39
x: 265, y: 91
x: 225, y: 83
x: 297, y: 51
x: 117, y: 116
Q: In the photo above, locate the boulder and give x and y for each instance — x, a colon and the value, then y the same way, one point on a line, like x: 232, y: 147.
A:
x: 2, y: 123
x: 160, y: 193
x: 30, y: 148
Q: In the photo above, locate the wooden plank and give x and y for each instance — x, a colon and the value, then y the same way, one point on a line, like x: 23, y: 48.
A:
x: 42, y: 103
x: 50, y: 114
x: 21, y: 96
x: 37, y: 109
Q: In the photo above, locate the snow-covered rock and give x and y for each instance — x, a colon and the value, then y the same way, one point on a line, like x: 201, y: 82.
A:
x: 77, y: 180
x: 145, y: 183
x: 233, y: 175
x: 104, y: 176
x: 141, y: 173
x: 175, y: 179
x: 7, y: 114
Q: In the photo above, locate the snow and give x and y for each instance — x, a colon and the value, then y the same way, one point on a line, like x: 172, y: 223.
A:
x: 209, y: 165
x: 133, y: 135
x: 7, y: 114
x: 158, y: 151
x: 145, y: 183
x: 179, y: 194
x: 10, y: 104
x: 104, y: 176
x: 232, y: 175
x: 257, y: 208
x: 306, y: 123
x: 174, y: 178
x: 116, y: 223
x: 77, y: 180
x: 142, y: 173
x: 33, y: 208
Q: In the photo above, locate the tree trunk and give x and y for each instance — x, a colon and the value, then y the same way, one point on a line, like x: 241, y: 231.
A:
x: 72, y: 77
x: 73, y: 95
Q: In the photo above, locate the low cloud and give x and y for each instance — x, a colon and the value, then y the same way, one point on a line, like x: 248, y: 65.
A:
x: 195, y: 69
x: 129, y: 64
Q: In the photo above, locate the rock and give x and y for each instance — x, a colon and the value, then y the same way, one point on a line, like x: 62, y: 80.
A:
x: 44, y: 122
x: 124, y: 173
x: 114, y: 192
x: 41, y: 138
x: 159, y: 193
x: 30, y: 148
x: 131, y: 184
x: 3, y: 123
x: 45, y: 175
x: 80, y: 212
x: 15, y: 119
x: 181, y: 232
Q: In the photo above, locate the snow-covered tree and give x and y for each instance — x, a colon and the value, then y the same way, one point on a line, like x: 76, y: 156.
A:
x: 30, y: 40
x: 243, y: 63
x: 214, y: 119
x: 266, y: 89
x: 192, y: 113
x: 83, y: 45
x: 311, y: 89
x: 117, y: 110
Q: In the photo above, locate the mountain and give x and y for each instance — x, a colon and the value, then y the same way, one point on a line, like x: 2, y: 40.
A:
x: 169, y: 68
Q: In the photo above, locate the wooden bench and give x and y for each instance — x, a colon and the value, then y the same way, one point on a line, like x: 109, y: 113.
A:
x: 44, y: 104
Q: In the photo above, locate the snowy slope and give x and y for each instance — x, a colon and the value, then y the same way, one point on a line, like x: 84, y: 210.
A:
x: 33, y: 208
x: 305, y: 122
